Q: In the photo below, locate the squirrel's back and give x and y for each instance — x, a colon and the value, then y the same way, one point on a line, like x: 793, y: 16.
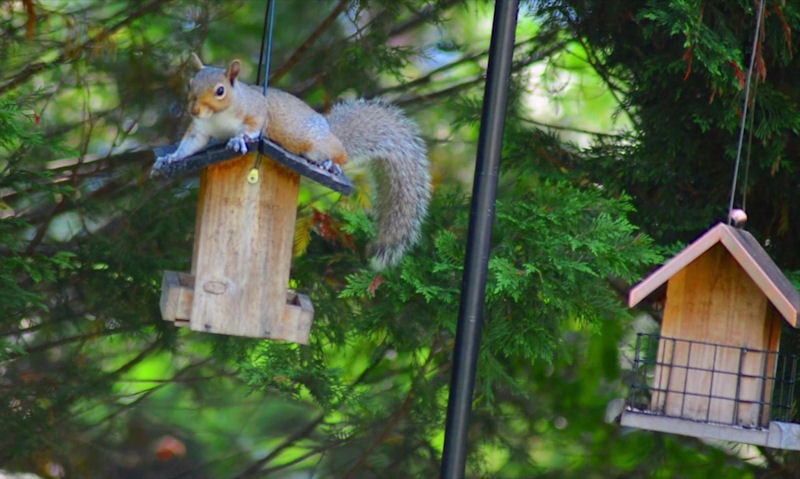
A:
x: 375, y: 130
x: 300, y: 129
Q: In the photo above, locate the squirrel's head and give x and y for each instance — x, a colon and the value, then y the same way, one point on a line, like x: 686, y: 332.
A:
x: 211, y: 89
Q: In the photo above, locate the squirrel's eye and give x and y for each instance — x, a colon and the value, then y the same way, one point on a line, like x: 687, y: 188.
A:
x: 220, y: 90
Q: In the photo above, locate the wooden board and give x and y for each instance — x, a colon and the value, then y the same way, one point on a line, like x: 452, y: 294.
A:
x: 243, y: 248
x: 685, y: 427
x: 779, y: 435
x: 177, y: 291
x: 784, y: 435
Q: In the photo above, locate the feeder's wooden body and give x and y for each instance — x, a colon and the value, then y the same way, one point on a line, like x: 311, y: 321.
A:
x: 242, y: 256
x: 712, y: 301
x: 716, y: 360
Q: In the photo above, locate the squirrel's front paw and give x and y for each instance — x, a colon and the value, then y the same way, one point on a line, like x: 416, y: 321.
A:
x: 161, y: 162
x: 167, y: 159
x: 238, y: 144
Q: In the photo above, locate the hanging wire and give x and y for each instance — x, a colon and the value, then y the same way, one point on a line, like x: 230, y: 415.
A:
x: 265, y: 55
x: 264, y: 59
x: 747, y: 153
x: 759, y: 18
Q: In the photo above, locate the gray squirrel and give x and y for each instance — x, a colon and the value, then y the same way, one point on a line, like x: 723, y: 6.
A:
x: 372, y: 131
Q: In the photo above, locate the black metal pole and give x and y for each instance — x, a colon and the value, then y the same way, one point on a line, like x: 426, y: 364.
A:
x: 484, y: 195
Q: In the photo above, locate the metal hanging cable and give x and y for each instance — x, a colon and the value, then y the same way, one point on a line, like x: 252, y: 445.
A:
x: 264, y: 60
x: 746, y: 104
x: 265, y: 55
x: 748, y: 151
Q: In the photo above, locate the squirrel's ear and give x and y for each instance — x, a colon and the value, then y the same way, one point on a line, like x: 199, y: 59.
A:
x: 195, y: 60
x: 233, y: 71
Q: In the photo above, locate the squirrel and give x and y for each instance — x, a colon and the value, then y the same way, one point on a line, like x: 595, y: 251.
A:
x: 223, y: 107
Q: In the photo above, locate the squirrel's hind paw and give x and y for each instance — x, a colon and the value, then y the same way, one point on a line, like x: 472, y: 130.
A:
x: 331, y: 167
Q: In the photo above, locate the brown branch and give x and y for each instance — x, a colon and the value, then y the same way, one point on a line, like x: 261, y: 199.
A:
x: 428, y: 12
x: 144, y: 394
x: 289, y: 441
x: 297, y: 460
x: 309, y: 42
x: 614, y: 88
x: 774, y: 467
x: 474, y: 57
x: 124, y: 368
x: 308, y: 428
x: 135, y: 360
x: 399, y: 414
x: 41, y: 231
x: 67, y: 55
x: 428, y: 98
x: 66, y: 340
x: 388, y: 428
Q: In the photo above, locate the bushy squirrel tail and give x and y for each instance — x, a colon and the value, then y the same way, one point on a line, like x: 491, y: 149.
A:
x: 379, y: 134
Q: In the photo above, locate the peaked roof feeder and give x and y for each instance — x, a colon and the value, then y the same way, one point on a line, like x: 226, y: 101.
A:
x: 715, y: 371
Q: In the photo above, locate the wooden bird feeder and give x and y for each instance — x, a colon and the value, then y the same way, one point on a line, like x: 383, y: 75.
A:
x: 715, y: 370
x: 244, y: 235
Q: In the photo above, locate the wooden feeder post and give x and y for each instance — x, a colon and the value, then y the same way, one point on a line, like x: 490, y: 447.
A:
x: 241, y: 261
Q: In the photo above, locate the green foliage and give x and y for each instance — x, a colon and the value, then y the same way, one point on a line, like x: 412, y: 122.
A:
x: 681, y: 66
x: 93, y: 381
x: 708, y: 41
x: 17, y: 128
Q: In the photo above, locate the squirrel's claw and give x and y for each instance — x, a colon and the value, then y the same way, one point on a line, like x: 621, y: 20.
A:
x: 166, y: 159
x: 238, y: 144
x: 161, y: 162
x: 331, y: 167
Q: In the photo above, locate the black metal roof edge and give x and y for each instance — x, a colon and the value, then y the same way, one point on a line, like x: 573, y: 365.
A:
x: 216, y: 152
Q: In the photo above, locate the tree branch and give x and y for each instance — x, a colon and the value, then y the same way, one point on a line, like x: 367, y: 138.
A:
x: 65, y: 56
x: 398, y: 414
x: 310, y: 427
x: 294, y: 58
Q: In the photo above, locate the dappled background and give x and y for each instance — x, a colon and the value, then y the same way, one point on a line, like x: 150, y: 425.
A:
x: 619, y: 147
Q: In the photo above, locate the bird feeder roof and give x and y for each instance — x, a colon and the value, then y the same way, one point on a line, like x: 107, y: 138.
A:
x: 216, y: 152
x: 746, y: 250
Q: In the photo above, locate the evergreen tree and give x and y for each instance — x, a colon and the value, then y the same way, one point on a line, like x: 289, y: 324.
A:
x: 94, y: 384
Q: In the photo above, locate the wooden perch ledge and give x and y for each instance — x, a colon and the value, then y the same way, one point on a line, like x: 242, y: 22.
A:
x: 216, y: 152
